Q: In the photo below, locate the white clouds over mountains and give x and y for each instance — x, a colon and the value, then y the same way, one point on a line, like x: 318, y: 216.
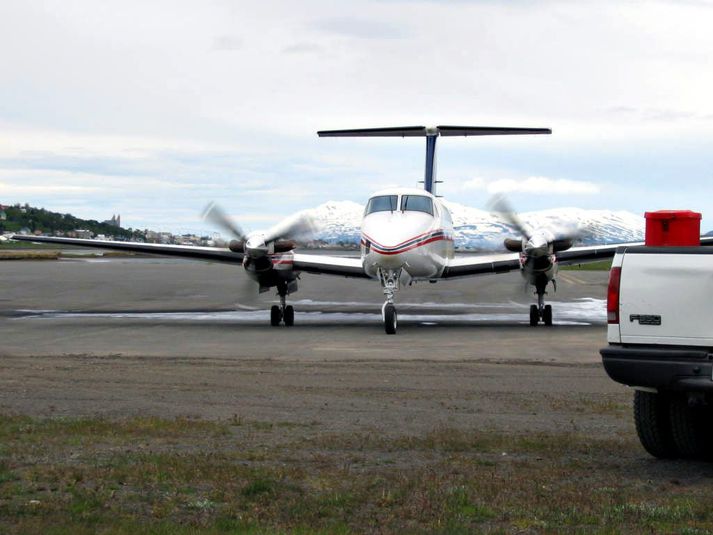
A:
x: 534, y: 185
x: 132, y: 101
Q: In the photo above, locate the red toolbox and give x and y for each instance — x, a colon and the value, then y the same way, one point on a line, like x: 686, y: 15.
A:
x: 673, y: 228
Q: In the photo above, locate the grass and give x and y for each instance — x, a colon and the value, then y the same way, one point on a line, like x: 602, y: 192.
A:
x: 17, y: 250
x: 153, y: 475
x: 28, y: 255
x: 20, y: 245
x: 602, y: 265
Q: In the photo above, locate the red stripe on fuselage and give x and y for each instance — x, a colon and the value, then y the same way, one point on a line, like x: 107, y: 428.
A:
x: 401, y: 243
x: 399, y: 251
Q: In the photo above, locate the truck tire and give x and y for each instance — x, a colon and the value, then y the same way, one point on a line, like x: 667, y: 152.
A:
x: 690, y: 432
x: 653, y: 425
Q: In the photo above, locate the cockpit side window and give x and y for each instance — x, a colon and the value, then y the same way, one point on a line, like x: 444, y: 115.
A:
x: 382, y: 203
x: 417, y: 203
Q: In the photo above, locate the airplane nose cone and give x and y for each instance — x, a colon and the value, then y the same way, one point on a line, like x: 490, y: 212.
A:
x: 395, y: 229
x: 255, y: 245
x: 537, y: 246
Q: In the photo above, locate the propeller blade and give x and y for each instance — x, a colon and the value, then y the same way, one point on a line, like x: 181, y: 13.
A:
x: 215, y: 215
x: 299, y: 227
x: 498, y: 203
x: 248, y: 294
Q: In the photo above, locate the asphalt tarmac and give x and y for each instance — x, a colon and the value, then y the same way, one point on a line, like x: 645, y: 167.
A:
x: 127, y: 336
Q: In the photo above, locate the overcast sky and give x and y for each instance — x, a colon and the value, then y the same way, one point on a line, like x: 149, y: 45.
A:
x: 152, y: 109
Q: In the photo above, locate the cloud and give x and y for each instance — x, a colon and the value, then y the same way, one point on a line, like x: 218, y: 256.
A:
x: 536, y: 185
x: 303, y: 48
x: 228, y: 42
x: 360, y: 28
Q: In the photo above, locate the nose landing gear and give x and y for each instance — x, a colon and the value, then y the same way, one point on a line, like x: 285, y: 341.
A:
x: 390, y: 281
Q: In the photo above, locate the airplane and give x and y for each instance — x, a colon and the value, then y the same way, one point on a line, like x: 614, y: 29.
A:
x: 406, y: 237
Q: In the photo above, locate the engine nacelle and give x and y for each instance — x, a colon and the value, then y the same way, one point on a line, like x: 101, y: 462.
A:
x: 562, y: 244
x: 513, y: 245
x: 237, y: 246
x: 284, y: 246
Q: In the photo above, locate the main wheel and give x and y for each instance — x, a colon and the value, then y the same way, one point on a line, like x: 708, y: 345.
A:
x: 690, y: 429
x: 289, y: 316
x: 547, y: 315
x: 534, y: 316
x: 275, y: 315
x: 653, y: 425
x: 390, y: 319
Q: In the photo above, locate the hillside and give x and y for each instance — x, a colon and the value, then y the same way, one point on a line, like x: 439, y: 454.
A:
x: 25, y: 216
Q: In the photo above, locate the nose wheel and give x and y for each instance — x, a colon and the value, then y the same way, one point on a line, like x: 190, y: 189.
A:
x: 390, y: 318
x: 390, y: 282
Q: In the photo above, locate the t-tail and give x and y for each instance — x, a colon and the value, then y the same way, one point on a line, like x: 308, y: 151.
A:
x: 431, y: 134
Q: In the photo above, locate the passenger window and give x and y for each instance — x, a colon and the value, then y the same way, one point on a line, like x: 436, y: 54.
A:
x: 417, y: 203
x: 383, y: 203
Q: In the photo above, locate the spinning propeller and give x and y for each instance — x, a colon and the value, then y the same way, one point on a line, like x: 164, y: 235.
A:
x: 256, y: 247
x: 281, y: 238
x: 534, y: 243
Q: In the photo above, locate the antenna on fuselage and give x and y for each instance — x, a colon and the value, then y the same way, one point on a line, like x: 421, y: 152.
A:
x: 431, y: 134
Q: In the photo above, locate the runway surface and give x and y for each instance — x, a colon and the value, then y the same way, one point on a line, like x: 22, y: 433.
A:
x: 169, y: 307
x: 134, y: 336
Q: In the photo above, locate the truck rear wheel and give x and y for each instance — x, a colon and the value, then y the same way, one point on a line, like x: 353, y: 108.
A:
x: 651, y: 414
x: 690, y: 429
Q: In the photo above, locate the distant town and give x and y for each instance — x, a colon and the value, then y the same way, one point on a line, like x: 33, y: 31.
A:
x: 25, y: 219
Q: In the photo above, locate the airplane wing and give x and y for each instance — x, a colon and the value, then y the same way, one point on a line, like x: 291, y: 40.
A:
x: 466, y: 266
x: 216, y: 254
x: 308, y: 263
x: 329, y: 265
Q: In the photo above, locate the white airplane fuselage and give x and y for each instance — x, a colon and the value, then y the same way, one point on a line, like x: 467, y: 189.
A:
x: 406, y: 230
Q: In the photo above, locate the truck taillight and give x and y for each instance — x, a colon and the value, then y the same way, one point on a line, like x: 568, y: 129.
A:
x: 613, y: 295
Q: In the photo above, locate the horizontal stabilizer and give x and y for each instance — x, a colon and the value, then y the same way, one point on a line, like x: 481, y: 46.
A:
x: 421, y: 131
x: 392, y: 131
x: 488, y: 131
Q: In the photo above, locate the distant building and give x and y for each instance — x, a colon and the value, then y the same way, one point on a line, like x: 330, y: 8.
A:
x: 115, y: 221
x: 81, y: 233
x: 3, y: 215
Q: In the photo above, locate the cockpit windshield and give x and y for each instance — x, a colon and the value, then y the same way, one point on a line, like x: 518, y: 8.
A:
x: 417, y: 203
x: 382, y: 203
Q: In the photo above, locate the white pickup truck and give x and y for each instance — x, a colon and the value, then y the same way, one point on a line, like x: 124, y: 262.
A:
x: 660, y: 334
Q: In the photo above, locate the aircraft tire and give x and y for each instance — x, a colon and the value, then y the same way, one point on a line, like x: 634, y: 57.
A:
x: 651, y: 415
x: 390, y: 319
x: 534, y: 316
x: 547, y: 315
x: 275, y: 315
x: 289, y: 316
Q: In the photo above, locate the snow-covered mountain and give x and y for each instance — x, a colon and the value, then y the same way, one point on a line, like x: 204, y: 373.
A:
x: 339, y: 222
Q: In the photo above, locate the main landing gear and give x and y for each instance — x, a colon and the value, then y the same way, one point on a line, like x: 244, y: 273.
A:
x: 390, y: 282
x: 284, y: 312
x: 540, y: 311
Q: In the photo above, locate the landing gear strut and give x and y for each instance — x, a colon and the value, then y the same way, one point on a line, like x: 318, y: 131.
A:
x: 540, y: 311
x: 283, y: 313
x: 390, y: 282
